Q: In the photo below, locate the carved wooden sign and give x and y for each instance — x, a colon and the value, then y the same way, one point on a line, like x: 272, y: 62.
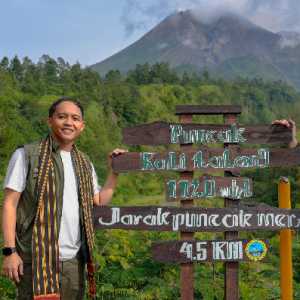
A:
x: 187, y: 251
x: 209, y: 187
x: 196, y: 219
x: 188, y: 219
x: 206, y: 159
x: 161, y: 133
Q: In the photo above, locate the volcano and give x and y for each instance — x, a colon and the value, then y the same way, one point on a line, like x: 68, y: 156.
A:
x: 228, y: 46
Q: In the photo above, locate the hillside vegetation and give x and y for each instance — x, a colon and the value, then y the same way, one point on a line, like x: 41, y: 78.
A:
x: 145, y: 94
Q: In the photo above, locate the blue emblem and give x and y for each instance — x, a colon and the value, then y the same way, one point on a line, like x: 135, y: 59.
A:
x: 256, y: 250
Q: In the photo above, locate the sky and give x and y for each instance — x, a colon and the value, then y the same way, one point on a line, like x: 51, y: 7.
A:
x: 88, y: 31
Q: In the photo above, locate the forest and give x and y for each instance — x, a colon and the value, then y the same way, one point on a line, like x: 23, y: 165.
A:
x: 145, y: 94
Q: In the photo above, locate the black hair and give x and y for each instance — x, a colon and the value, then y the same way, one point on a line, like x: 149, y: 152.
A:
x: 53, y: 106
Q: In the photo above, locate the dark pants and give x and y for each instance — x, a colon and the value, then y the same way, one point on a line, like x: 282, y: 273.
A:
x: 72, y: 284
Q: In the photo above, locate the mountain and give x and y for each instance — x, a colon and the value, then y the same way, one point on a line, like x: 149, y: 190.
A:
x: 227, y: 46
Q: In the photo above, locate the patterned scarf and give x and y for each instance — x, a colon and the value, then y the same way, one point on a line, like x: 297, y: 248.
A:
x: 45, y: 252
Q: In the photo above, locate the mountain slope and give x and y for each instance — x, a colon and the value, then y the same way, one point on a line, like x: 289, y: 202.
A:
x: 228, y: 46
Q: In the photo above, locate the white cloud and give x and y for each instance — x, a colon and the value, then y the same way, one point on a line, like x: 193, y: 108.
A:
x: 275, y: 15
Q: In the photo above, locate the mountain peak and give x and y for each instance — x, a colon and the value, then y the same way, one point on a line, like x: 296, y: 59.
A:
x: 232, y: 20
x: 218, y: 18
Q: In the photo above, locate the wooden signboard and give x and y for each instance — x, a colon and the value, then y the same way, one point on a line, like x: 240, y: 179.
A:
x: 162, y: 133
x: 209, y: 187
x: 196, y: 219
x: 188, y: 219
x: 207, y: 159
x: 209, y: 251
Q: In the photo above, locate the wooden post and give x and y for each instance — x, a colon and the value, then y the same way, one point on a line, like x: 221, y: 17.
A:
x: 186, y: 269
x: 286, y: 269
x: 231, y: 278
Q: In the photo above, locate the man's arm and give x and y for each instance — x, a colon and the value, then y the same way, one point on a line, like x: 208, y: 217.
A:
x: 12, y: 265
x: 107, y: 191
x: 290, y: 124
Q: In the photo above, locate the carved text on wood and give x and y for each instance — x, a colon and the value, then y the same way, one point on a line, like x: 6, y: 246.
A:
x: 196, y: 219
x: 218, y: 250
x: 208, y: 187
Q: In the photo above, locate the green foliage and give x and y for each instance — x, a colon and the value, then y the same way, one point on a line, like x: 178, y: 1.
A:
x: 156, y: 73
x: 146, y: 94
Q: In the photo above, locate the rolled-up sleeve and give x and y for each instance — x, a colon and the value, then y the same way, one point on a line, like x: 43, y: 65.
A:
x: 96, y: 186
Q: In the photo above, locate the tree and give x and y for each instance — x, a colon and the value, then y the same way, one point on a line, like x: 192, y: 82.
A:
x: 161, y: 73
x: 140, y: 75
x: 16, y: 68
x: 50, y: 69
x: 113, y: 76
x: 62, y: 65
x: 4, y: 63
x: 185, y: 78
x: 205, y: 75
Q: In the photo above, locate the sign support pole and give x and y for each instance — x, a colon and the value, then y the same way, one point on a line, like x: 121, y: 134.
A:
x: 231, y: 277
x: 186, y: 269
x: 286, y: 269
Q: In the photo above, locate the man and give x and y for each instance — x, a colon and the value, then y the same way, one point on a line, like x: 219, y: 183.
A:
x: 49, y: 192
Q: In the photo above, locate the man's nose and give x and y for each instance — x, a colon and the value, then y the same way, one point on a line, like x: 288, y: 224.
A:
x: 68, y: 121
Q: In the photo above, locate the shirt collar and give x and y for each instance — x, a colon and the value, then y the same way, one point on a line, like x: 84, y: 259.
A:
x: 55, y: 144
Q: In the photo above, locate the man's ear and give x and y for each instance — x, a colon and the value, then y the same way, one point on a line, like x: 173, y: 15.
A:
x: 49, y: 122
x: 83, y: 126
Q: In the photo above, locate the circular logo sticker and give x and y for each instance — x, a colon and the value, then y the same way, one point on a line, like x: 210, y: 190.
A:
x: 256, y: 250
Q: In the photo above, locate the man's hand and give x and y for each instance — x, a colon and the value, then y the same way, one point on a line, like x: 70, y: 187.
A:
x: 12, y: 267
x: 112, y: 154
x: 289, y: 124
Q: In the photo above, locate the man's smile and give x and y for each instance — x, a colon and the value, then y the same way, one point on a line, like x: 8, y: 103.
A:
x: 67, y: 130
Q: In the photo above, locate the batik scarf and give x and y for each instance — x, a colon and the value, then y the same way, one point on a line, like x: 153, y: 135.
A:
x: 45, y: 252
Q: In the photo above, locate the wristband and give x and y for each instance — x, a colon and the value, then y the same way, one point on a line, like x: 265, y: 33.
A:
x: 6, y: 251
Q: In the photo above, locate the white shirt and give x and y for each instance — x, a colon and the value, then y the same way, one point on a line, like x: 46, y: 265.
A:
x: 69, y: 234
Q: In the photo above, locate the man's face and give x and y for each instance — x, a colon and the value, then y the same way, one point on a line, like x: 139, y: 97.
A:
x: 66, y: 123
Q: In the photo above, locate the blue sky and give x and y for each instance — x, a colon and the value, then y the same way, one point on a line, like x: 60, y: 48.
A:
x: 84, y: 31
x: 91, y: 30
